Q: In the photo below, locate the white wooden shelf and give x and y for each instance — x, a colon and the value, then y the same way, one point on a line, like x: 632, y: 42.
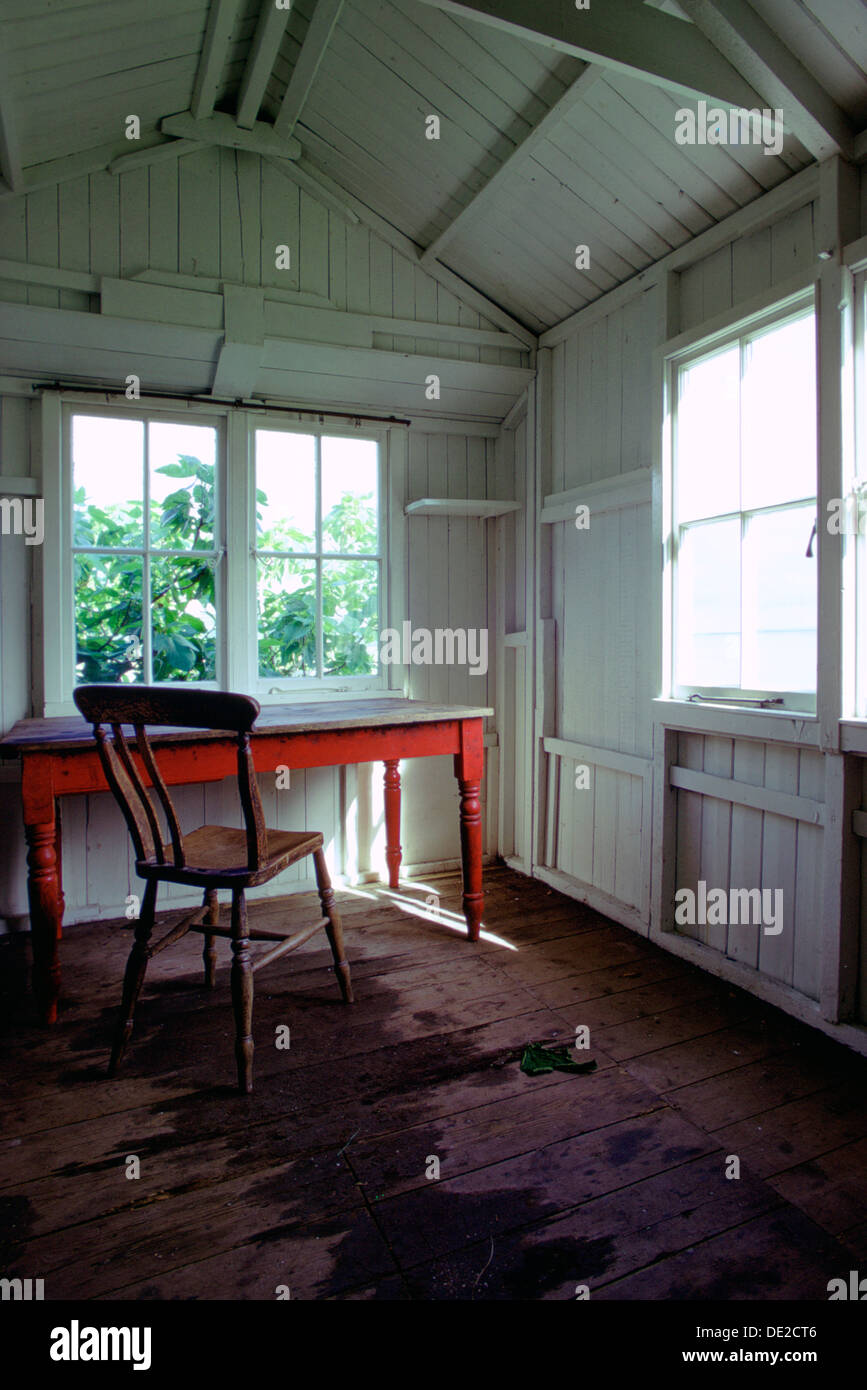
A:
x: 459, y: 506
x: 606, y: 495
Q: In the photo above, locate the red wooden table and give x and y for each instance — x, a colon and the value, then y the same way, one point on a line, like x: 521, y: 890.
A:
x: 59, y: 758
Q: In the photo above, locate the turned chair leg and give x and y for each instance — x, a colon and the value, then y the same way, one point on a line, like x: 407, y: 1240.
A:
x: 209, y: 951
x: 133, y: 979
x: 333, y: 926
x: 242, y: 992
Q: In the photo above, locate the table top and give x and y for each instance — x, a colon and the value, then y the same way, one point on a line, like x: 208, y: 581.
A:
x: 63, y: 733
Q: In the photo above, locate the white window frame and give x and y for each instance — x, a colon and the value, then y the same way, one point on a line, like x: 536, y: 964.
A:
x: 278, y: 687
x: 237, y: 652
x: 854, y: 488
x: 215, y: 421
x: 688, y: 347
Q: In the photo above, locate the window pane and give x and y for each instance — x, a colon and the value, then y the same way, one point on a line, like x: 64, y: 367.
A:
x: 183, y: 620
x: 285, y: 491
x: 182, y: 485
x: 108, y: 480
x: 708, y: 605
x: 707, y: 456
x: 287, y: 617
x: 108, y: 617
x: 350, y: 491
x: 350, y: 617
x: 779, y: 610
x: 778, y: 396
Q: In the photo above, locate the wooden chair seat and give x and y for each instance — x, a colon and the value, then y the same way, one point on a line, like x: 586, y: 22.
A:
x: 212, y: 857
x: 218, y: 855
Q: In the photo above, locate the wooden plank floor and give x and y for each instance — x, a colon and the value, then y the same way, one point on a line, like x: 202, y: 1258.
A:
x: 320, y: 1180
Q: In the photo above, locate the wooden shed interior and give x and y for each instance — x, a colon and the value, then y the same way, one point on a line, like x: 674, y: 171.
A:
x: 504, y: 356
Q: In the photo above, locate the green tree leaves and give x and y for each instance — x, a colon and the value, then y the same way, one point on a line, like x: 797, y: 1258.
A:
x: 183, y: 600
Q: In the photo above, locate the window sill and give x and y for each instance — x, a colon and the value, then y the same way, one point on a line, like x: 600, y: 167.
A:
x: 311, y: 694
x: 853, y: 735
x: 786, y: 726
x: 308, y: 695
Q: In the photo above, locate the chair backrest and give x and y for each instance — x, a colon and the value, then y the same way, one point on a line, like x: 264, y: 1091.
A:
x: 146, y: 707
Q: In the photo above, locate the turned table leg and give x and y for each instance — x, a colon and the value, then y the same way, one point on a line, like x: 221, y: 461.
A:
x: 469, y: 764
x: 393, y: 852
x: 42, y: 829
x: 46, y: 915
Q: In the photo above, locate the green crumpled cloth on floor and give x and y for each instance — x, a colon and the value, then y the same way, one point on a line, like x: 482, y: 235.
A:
x: 537, y: 1060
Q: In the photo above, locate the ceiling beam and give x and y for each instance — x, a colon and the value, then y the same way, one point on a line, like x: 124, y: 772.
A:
x: 154, y: 154
x: 624, y: 35
x: 472, y: 297
x: 221, y: 21
x: 263, y: 54
x: 742, y: 36
x: 789, y: 196
x: 243, y: 346
x: 221, y: 129
x: 63, y: 170
x: 319, y: 32
x: 323, y: 195
x: 10, y: 157
x: 539, y: 133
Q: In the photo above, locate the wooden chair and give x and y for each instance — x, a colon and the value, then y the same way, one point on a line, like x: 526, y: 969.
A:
x: 212, y: 857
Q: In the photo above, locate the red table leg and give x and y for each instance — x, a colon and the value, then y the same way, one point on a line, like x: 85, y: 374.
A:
x: 43, y: 883
x: 393, y: 851
x: 45, y: 916
x: 469, y: 766
x: 58, y: 854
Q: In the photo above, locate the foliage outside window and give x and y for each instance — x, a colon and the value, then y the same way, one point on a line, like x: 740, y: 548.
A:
x: 150, y: 567
x: 317, y: 554
x: 145, y: 550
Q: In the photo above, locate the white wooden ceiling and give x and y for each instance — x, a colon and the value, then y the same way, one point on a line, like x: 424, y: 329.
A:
x: 512, y: 187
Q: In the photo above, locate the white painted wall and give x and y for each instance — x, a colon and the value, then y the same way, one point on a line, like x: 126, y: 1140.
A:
x: 602, y: 388
x: 599, y: 844
x: 209, y: 215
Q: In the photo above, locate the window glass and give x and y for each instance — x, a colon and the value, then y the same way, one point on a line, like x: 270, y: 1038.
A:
x: 745, y: 449
x: 317, y: 499
x: 349, y: 496
x: 779, y: 605
x: 709, y: 612
x: 133, y: 480
x: 285, y: 491
x: 779, y: 415
x: 708, y: 479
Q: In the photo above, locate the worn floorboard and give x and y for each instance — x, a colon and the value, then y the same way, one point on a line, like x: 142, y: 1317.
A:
x: 396, y: 1151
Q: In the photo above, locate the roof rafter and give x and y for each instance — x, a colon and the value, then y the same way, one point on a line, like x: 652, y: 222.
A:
x: 10, y: 157
x: 266, y: 43
x: 473, y: 297
x: 300, y: 177
x: 221, y: 129
x: 809, y: 112
x: 625, y: 35
x: 539, y: 133
x: 63, y: 170
x: 322, y: 23
x: 153, y: 154
x: 221, y: 21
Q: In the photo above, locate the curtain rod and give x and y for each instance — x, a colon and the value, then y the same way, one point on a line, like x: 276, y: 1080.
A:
x: 215, y: 400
